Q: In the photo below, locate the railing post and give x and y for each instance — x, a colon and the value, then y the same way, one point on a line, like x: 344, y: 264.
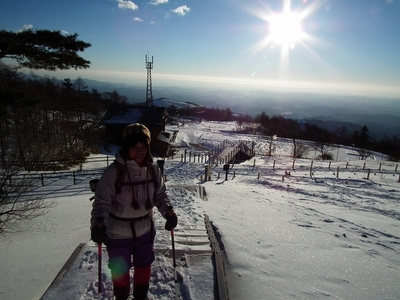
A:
x: 312, y: 162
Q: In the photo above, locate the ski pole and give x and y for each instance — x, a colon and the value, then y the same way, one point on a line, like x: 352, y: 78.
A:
x: 99, y: 288
x: 174, y: 262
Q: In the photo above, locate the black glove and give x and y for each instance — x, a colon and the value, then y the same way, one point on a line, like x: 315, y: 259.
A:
x: 172, y: 221
x: 98, y: 234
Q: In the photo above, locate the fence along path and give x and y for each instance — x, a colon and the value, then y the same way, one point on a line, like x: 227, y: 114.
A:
x: 92, y: 167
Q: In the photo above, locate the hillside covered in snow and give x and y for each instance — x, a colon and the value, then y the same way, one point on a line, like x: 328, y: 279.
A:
x: 289, y: 229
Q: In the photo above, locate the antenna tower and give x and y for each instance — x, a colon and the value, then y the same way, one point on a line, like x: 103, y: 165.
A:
x: 149, y: 88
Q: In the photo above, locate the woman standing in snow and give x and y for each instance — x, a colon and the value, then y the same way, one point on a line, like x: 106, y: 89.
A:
x: 122, y: 215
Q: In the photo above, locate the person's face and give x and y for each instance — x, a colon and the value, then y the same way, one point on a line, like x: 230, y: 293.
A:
x: 138, y: 152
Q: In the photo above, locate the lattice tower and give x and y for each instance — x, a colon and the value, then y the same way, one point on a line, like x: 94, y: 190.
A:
x: 149, y: 87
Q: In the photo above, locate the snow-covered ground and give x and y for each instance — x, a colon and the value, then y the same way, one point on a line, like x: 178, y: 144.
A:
x: 303, y: 235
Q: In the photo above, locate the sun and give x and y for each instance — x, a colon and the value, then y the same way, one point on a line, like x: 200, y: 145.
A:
x: 285, y: 29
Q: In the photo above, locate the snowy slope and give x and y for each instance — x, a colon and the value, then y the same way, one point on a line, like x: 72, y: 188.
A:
x: 307, y: 235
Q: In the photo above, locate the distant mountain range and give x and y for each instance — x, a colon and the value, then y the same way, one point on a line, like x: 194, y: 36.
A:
x: 381, y: 116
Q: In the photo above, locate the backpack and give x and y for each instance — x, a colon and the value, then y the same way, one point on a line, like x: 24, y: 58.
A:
x: 121, y: 171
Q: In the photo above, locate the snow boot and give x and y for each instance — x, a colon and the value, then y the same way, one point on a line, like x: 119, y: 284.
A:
x: 121, y: 293
x: 140, y: 291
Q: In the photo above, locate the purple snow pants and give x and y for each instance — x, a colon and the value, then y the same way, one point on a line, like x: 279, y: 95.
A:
x: 125, y: 253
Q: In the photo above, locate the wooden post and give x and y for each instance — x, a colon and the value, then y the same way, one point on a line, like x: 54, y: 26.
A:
x: 254, y: 163
x: 200, y: 192
x: 364, y: 166
x: 337, y: 173
x: 181, y: 157
x: 283, y: 178
x: 207, y: 173
x: 42, y: 178
x: 347, y: 164
x: 312, y: 162
x: 273, y: 167
x: 293, y: 164
x: 329, y: 167
x: 258, y: 177
x: 380, y: 166
x: 73, y: 175
x: 396, y: 168
x: 369, y: 171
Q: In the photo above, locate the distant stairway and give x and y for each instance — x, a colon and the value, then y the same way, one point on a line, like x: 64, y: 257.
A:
x: 227, y: 152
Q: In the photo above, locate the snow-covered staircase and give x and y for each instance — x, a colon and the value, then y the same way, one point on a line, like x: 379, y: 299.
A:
x: 191, y: 241
x: 226, y: 151
x: 193, y: 251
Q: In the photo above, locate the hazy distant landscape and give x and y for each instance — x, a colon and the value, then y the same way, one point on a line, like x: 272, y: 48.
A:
x: 381, y: 116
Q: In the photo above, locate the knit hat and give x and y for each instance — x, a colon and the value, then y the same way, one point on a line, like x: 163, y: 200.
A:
x: 133, y: 134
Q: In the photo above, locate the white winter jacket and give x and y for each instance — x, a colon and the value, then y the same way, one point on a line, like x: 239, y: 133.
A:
x: 108, y: 201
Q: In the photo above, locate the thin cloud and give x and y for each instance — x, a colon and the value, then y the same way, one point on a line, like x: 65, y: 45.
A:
x: 26, y: 27
x: 181, y: 10
x: 127, y: 5
x: 137, y: 19
x: 157, y: 2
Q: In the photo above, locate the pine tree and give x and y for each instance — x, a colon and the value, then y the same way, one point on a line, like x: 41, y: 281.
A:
x: 43, y: 49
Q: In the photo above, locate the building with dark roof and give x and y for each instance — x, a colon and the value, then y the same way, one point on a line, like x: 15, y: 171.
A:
x: 118, y: 117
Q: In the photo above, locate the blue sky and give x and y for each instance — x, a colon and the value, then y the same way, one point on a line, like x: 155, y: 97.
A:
x: 342, y: 46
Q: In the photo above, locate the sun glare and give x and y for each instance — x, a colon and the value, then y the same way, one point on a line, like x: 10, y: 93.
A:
x: 285, y: 29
